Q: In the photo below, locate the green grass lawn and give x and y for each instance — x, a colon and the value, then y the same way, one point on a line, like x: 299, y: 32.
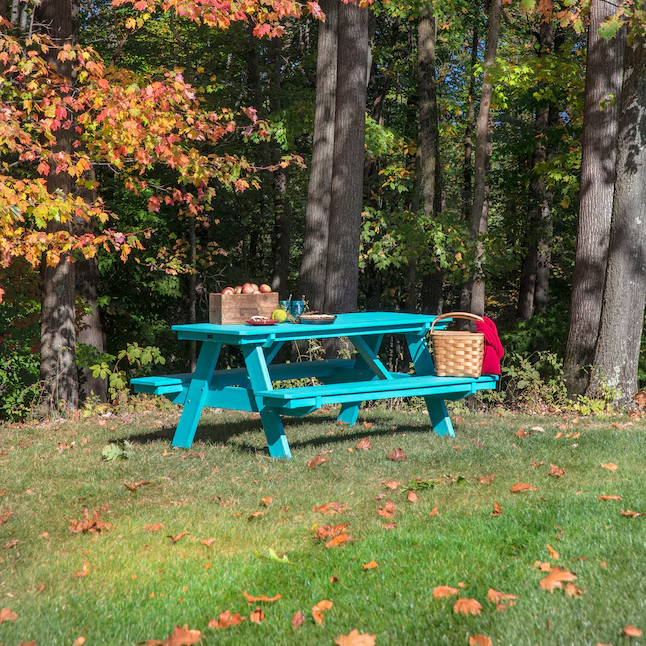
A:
x: 139, y: 585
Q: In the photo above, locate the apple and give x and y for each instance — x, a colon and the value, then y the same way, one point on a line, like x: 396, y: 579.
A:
x: 264, y: 288
x: 228, y: 290
x: 247, y: 288
x: 255, y: 288
x: 237, y: 290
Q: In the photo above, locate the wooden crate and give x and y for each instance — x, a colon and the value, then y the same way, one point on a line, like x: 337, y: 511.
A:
x: 229, y: 309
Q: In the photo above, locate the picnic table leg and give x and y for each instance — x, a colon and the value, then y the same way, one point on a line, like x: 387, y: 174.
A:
x: 198, y: 389
x: 270, y: 418
x: 423, y: 362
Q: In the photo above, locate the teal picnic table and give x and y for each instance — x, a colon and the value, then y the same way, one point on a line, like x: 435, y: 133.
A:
x: 347, y: 382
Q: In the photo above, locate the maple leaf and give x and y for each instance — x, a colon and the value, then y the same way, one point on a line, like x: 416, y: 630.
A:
x: 396, y: 455
x: 257, y: 616
x: 207, y: 541
x: 632, y: 514
x: 434, y: 512
x: 610, y: 466
x: 388, y: 510
x: 325, y: 532
x: 355, y: 638
x: 497, y: 509
x: 487, y: 479
x: 522, y: 486
x: 341, y: 539
x: 155, y: 527
x: 315, y: 462
x: 391, y: 484
x: 319, y: 609
x: 556, y: 578
x: 467, y: 606
x: 82, y: 572
x: 631, y: 631
x: 572, y: 590
x: 133, y: 486
x: 543, y: 566
x: 364, y: 444
x: 553, y: 553
x: 330, y: 508
x: 370, y: 566
x: 411, y: 496
x: 251, y: 599
x: 609, y: 497
x: 180, y: 637
x: 444, y: 591
x: 226, y: 620
x: 555, y: 471
x: 480, y: 640
x: 298, y: 619
x: 7, y: 615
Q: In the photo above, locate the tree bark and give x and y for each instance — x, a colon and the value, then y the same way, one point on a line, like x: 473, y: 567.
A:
x: 604, y: 72
x: 467, y: 172
x: 478, y: 219
x: 617, y: 354
x: 315, y: 245
x: 58, y: 325
x: 346, y: 200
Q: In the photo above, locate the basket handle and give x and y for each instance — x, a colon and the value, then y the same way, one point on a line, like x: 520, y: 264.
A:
x: 456, y: 315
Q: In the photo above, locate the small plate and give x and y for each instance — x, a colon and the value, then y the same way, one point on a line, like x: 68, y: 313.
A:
x: 313, y: 319
x: 268, y: 322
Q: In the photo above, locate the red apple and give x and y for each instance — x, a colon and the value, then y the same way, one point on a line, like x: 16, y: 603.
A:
x: 264, y: 288
x: 247, y: 288
x: 237, y: 290
x: 255, y: 288
x: 228, y: 290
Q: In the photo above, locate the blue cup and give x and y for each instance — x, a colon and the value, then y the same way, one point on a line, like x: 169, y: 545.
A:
x: 284, y: 305
x: 298, y: 307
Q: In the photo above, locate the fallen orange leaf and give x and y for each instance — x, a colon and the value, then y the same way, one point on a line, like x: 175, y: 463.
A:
x: 444, y: 591
x: 609, y: 497
x: 364, y: 444
x: 355, y: 638
x: 82, y: 572
x: 631, y: 631
x: 7, y: 615
x: 155, y: 527
x: 535, y: 465
x: 93, y: 525
x: 543, y: 567
x: 370, y: 566
x: 256, y: 514
x: 632, y: 514
x: 434, y: 512
x: 411, y: 496
x: 553, y: 553
x: 330, y: 508
x: 315, y: 462
x: 330, y: 531
x: 176, y: 538
x: 267, y: 501
x: 555, y: 471
x: 610, y: 466
x: 556, y: 578
x: 501, y: 599
x: 133, y: 486
x: 226, y: 620
x: 207, y: 541
x: 339, y: 540
x: 388, y: 510
x: 467, y: 607
x: 487, y: 479
x: 603, y: 564
x: 251, y: 599
x: 497, y: 509
x: 480, y: 640
x: 298, y: 619
x: 79, y: 641
x: 391, y: 484
x: 522, y: 486
x: 396, y: 455
x: 179, y: 637
x: 319, y: 609
x: 257, y: 616
x: 389, y: 525
x: 559, y: 434
x: 572, y: 590
x: 522, y: 433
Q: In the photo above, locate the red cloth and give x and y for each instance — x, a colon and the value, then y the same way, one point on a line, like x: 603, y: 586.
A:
x: 493, y: 350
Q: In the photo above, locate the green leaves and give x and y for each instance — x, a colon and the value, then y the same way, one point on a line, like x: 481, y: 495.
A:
x: 121, y: 450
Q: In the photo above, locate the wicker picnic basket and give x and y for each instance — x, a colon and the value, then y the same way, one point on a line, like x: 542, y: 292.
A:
x: 456, y: 353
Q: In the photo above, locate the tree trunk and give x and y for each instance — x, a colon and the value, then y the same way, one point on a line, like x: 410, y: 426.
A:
x: 346, y: 200
x: 468, y: 131
x: 315, y: 245
x: 604, y: 72
x: 617, y: 354
x: 57, y: 282
x: 478, y: 220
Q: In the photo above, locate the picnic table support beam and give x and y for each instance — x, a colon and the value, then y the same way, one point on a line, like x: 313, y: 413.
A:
x: 423, y: 363
x: 197, y: 394
x: 272, y: 424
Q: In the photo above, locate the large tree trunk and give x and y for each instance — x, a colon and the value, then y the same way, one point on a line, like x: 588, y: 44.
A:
x: 478, y: 220
x: 604, y: 72
x: 58, y: 331
x: 622, y: 319
x: 315, y: 245
x: 346, y: 200
x: 467, y: 172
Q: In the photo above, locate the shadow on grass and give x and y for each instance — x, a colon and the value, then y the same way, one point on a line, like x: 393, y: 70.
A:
x: 224, y: 432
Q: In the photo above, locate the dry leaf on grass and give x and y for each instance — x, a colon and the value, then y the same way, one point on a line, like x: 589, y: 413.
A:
x: 411, y: 496
x: 84, y: 571
x: 12, y: 543
x: 572, y: 590
x: 553, y: 553
x: 434, y: 512
x: 325, y: 532
x: 319, y: 609
x: 389, y: 526
x: 487, y: 479
x: 559, y: 434
x: 193, y: 454
x: 556, y: 471
x: 396, y: 455
x: 341, y: 539
x: 556, y: 578
x: 480, y: 640
x: 609, y: 497
x: 521, y: 487
x: 177, y: 537
x: 266, y: 501
x: 442, y: 591
x: 364, y: 444
x: 391, y: 484
x: 370, y: 566
x: 330, y: 508
x: 316, y: 461
x: 226, y: 620
x: 535, y: 465
x: 251, y: 599
x: 155, y: 527
x: 257, y: 616
x: 255, y: 514
x: 631, y: 631
x: 298, y: 619
x: 522, y: 433
x: 467, y: 607
x: 207, y: 541
x: 388, y: 510
x: 501, y: 599
x: 7, y: 615
x: 610, y: 466
x: 497, y: 509
x: 628, y: 512
x: 133, y: 486
x: 180, y: 637
x: 543, y: 567
x: 355, y: 638
x: 79, y: 641
x: 93, y: 525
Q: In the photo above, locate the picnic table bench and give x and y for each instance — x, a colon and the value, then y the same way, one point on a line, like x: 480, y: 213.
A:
x: 348, y: 382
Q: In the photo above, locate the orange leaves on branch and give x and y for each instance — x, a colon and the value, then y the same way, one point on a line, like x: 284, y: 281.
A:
x: 396, y: 455
x: 521, y: 487
x: 226, y: 620
x: 330, y: 508
x: 316, y: 461
x: 611, y: 466
x: 251, y: 599
x: 467, y: 606
x: 556, y: 471
x: 180, y: 637
x: 388, y: 510
x: 442, y: 591
x: 556, y: 578
x: 319, y: 609
x: 7, y: 615
x: 92, y: 525
x: 355, y: 638
x: 364, y: 444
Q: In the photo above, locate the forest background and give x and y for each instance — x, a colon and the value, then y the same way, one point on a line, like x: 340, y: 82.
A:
x: 418, y: 156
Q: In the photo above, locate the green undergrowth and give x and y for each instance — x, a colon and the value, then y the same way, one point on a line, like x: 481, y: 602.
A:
x: 140, y: 585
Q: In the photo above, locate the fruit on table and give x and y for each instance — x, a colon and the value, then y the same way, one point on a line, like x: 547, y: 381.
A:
x: 279, y: 315
x: 264, y: 289
x: 248, y: 288
x: 238, y: 289
x: 228, y: 290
